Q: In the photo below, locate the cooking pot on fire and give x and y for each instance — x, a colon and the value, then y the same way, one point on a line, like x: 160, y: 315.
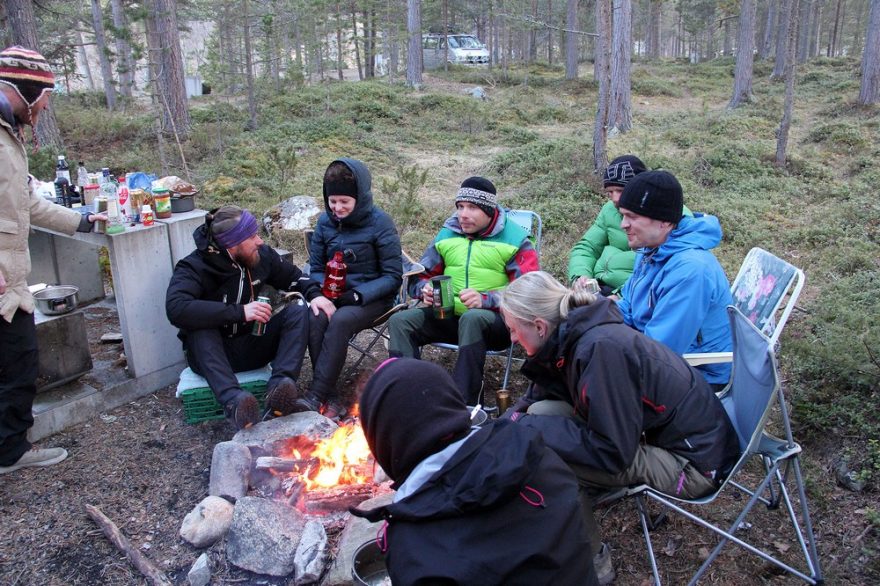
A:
x: 57, y: 299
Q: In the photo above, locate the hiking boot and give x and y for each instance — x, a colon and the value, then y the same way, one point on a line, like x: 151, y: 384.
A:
x: 335, y: 411
x: 307, y: 403
x: 36, y: 457
x: 603, y: 566
x: 281, y: 399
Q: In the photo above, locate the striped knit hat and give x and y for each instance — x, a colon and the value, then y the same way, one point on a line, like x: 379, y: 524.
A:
x: 27, y: 72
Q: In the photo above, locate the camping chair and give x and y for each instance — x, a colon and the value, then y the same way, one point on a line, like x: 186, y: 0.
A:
x: 379, y: 329
x: 531, y: 222
x: 749, y: 399
x: 764, y: 285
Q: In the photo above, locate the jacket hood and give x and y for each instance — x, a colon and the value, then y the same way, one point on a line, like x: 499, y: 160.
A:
x: 364, y: 205
x: 491, y: 467
x: 492, y: 229
x: 701, y: 231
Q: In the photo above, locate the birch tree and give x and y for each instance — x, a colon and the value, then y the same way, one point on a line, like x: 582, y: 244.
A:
x: 869, y: 93
x: 745, y: 44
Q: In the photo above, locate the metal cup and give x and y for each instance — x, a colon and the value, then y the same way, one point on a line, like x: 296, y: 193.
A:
x: 444, y: 302
x: 502, y: 401
x: 590, y: 286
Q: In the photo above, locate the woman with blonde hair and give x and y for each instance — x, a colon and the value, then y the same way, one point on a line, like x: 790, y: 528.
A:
x: 599, y: 386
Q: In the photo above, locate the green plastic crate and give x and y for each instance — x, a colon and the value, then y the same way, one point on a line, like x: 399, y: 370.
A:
x: 199, y: 404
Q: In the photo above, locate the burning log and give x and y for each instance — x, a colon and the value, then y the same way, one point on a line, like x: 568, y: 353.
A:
x: 283, y: 464
x: 337, y: 498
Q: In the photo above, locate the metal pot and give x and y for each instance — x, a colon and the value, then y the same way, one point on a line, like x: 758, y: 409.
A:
x: 57, y: 299
x: 183, y: 204
x: 368, y: 565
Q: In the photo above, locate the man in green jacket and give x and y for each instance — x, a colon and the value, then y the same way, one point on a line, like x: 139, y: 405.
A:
x: 603, y: 253
x: 481, y: 252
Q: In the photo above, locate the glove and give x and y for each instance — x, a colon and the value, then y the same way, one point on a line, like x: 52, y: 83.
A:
x: 349, y: 298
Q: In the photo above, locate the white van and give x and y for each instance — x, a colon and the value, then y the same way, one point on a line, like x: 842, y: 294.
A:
x: 464, y: 49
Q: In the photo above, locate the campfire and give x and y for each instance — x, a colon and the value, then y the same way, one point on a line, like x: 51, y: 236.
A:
x: 319, y: 476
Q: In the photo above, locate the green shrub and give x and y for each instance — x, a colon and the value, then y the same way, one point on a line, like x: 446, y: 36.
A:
x: 843, y: 134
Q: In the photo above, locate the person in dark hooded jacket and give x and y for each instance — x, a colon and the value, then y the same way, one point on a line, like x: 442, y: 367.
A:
x: 490, y: 505
x: 212, y: 298
x: 619, y: 407
x: 370, y: 245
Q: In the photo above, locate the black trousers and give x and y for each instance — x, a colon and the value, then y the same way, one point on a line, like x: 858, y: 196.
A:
x: 328, y: 343
x: 218, y: 358
x: 19, y: 366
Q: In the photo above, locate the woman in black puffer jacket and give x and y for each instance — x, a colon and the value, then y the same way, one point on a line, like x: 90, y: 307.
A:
x: 370, y: 244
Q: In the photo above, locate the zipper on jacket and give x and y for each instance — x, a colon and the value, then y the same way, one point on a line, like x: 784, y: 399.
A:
x: 467, y: 265
x: 238, y: 297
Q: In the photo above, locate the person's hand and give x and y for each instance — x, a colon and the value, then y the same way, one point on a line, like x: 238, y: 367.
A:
x: 257, y: 311
x: 614, y: 297
x: 2, y: 284
x: 471, y: 298
x: 428, y: 294
x: 92, y: 218
x: 587, y: 284
x: 351, y: 297
x: 321, y: 303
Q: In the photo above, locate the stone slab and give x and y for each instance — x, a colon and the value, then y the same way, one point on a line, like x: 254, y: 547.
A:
x: 180, y: 232
x: 60, y: 260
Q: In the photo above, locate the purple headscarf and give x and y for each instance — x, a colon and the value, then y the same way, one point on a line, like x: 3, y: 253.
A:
x: 247, y: 226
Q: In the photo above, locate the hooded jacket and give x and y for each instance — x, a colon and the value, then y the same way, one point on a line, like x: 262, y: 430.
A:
x: 487, y: 506
x: 625, y: 385
x: 375, y: 266
x: 209, y: 290
x: 486, y: 262
x: 20, y: 207
x: 678, y: 293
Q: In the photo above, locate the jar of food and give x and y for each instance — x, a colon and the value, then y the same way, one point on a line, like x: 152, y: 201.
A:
x: 162, y: 200
x: 90, y: 192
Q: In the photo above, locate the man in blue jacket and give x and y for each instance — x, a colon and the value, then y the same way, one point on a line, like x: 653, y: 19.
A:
x: 678, y: 292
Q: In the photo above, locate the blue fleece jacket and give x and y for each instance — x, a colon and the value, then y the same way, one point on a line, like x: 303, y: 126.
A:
x: 678, y: 293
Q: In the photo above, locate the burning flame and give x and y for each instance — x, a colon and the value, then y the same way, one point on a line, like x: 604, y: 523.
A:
x: 338, y: 459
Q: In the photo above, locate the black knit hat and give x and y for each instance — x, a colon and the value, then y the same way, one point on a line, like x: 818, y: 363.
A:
x: 480, y: 192
x: 654, y: 194
x: 410, y: 409
x: 622, y: 169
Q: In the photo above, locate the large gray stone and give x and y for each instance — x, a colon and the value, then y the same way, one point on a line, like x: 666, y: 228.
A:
x: 311, y: 554
x: 294, y: 213
x: 200, y: 573
x: 271, y: 435
x: 357, y: 531
x: 230, y: 470
x: 264, y: 536
x: 207, y: 522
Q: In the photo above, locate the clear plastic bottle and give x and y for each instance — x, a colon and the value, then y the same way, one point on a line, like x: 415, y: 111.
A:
x: 122, y: 194
x: 115, y: 218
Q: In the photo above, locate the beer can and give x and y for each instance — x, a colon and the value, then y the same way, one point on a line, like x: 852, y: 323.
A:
x: 259, y: 327
x: 444, y: 302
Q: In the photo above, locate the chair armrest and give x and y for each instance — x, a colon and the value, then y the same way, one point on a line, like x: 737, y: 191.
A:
x: 708, y: 358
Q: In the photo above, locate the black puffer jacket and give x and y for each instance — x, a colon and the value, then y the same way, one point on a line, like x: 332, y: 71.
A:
x: 503, y: 509
x: 374, y: 264
x: 624, y: 384
x: 209, y: 290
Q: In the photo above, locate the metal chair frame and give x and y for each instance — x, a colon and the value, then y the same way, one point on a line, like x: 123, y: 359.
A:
x: 749, y: 399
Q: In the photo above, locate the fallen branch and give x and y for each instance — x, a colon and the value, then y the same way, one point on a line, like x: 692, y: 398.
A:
x: 283, y: 464
x: 138, y: 560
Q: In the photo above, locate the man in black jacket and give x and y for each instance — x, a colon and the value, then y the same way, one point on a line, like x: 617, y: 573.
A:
x: 491, y: 505
x: 212, y: 298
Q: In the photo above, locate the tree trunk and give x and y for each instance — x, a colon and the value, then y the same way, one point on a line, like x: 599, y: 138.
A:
x: 175, y: 119
x: 84, y: 60
x: 339, y: 50
x: 652, y: 29
x: 620, y: 109
x: 249, y: 67
x: 727, y: 47
x: 354, y: 38
x: 571, y: 39
x: 769, y: 27
x: 124, y: 61
x: 782, y: 39
x: 22, y: 26
x: 803, y: 46
x: 103, y: 59
x: 791, y: 15
x: 832, y: 45
x: 533, y: 34
x: 603, y: 76
x: 745, y: 44
x: 550, y: 32
x: 869, y: 93
x: 371, y: 63
x: 414, y: 44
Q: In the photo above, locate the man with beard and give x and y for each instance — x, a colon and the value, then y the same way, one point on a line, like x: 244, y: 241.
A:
x: 212, y: 298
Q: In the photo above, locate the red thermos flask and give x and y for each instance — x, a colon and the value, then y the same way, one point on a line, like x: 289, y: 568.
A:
x: 334, y: 277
